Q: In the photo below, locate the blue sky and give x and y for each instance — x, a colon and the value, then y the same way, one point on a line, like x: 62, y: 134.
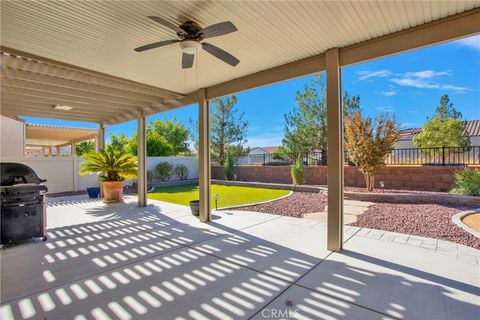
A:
x: 408, y: 84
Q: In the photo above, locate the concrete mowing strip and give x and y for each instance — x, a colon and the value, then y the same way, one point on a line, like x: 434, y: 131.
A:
x: 256, y: 203
x: 458, y: 220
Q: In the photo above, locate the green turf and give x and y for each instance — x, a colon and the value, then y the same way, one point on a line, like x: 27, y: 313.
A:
x: 228, y: 195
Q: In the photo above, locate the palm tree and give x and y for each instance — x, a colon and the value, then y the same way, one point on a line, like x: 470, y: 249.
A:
x: 111, y: 165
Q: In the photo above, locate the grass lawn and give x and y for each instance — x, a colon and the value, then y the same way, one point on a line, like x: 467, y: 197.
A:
x: 228, y: 195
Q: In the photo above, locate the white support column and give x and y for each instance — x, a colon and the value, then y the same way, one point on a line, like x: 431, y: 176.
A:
x: 142, y: 162
x: 100, y: 141
x: 204, y: 155
x: 335, y: 151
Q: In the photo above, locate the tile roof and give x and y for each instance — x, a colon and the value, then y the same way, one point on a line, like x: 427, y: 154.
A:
x: 472, y: 129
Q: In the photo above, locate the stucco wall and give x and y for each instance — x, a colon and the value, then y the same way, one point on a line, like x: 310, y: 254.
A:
x: 62, y: 173
x: 12, y: 136
x: 395, y: 177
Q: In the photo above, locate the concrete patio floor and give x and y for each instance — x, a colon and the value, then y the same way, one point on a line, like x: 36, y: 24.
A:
x: 159, y: 262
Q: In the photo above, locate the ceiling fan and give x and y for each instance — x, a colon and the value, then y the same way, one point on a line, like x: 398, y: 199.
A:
x: 189, y: 34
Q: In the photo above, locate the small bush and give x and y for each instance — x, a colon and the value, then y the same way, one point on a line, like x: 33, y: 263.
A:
x: 297, y: 172
x: 164, y: 170
x: 181, y: 171
x: 150, y: 176
x: 229, y: 166
x: 467, y: 182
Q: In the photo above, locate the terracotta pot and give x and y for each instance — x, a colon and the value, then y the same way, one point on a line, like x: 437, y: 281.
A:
x: 112, y: 191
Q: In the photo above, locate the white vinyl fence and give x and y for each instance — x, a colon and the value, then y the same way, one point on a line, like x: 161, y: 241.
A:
x: 62, y: 173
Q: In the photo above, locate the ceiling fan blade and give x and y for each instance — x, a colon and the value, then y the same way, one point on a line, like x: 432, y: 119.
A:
x: 155, y: 45
x: 218, y: 29
x: 167, y: 24
x: 187, y: 60
x: 220, y: 54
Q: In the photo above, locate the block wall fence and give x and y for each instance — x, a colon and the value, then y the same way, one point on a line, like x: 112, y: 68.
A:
x: 395, y: 177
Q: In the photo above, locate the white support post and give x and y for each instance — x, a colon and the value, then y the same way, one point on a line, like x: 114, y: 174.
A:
x: 204, y: 155
x: 142, y: 162
x: 100, y: 141
x: 335, y: 151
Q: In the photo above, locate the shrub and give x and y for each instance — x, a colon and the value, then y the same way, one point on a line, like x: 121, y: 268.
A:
x: 297, y: 172
x: 467, y: 182
x: 150, y: 176
x: 229, y: 166
x: 181, y: 171
x: 164, y: 170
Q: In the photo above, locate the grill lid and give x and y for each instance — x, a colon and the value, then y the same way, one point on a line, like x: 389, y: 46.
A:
x: 18, y: 173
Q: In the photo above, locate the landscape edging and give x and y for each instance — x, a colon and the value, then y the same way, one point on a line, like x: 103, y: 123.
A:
x: 256, y: 203
x: 457, y: 219
x: 370, y: 196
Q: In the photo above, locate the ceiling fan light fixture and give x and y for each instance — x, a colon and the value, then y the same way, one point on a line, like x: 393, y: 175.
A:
x: 189, y: 46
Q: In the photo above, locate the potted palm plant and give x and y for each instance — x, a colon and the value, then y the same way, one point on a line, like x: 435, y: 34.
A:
x: 113, y: 167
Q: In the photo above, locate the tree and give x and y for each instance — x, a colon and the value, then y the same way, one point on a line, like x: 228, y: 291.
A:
x: 119, y: 143
x: 164, y: 138
x: 157, y: 145
x: 306, y: 126
x: 84, y: 147
x: 175, y: 133
x: 228, y: 129
x: 369, y: 142
x: 229, y: 166
x: 445, y: 129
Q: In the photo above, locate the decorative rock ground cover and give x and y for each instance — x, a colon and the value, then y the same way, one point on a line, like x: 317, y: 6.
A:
x: 296, y: 205
x: 427, y: 220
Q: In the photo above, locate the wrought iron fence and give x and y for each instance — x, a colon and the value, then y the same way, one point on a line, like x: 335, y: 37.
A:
x: 413, y: 156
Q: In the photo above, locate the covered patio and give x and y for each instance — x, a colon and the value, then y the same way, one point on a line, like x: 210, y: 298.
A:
x: 160, y: 262
x: 42, y: 140
x: 154, y: 260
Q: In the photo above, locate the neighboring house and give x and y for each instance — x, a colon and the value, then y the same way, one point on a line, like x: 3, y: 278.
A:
x: 263, y: 150
x: 472, y: 130
x: 20, y: 139
x: 256, y: 155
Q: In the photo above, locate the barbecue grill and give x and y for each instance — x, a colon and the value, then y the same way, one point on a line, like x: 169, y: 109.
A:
x: 22, y: 213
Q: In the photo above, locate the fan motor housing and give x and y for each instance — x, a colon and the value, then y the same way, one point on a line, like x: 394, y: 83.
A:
x: 192, y: 29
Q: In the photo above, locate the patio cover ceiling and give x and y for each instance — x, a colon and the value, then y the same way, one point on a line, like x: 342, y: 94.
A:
x: 276, y: 41
x: 47, y: 135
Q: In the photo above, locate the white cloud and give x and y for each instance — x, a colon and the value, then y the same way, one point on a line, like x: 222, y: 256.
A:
x: 385, y: 109
x: 472, y: 42
x: 426, y: 74
x: 389, y: 93
x: 364, y: 75
x: 416, y: 83
x: 412, y: 111
x: 428, y: 79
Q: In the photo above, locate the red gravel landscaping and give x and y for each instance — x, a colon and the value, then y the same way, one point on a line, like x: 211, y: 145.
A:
x: 426, y: 220
x: 295, y: 205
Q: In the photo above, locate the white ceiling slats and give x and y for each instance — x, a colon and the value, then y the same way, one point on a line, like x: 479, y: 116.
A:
x: 101, y: 35
x: 82, y: 51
